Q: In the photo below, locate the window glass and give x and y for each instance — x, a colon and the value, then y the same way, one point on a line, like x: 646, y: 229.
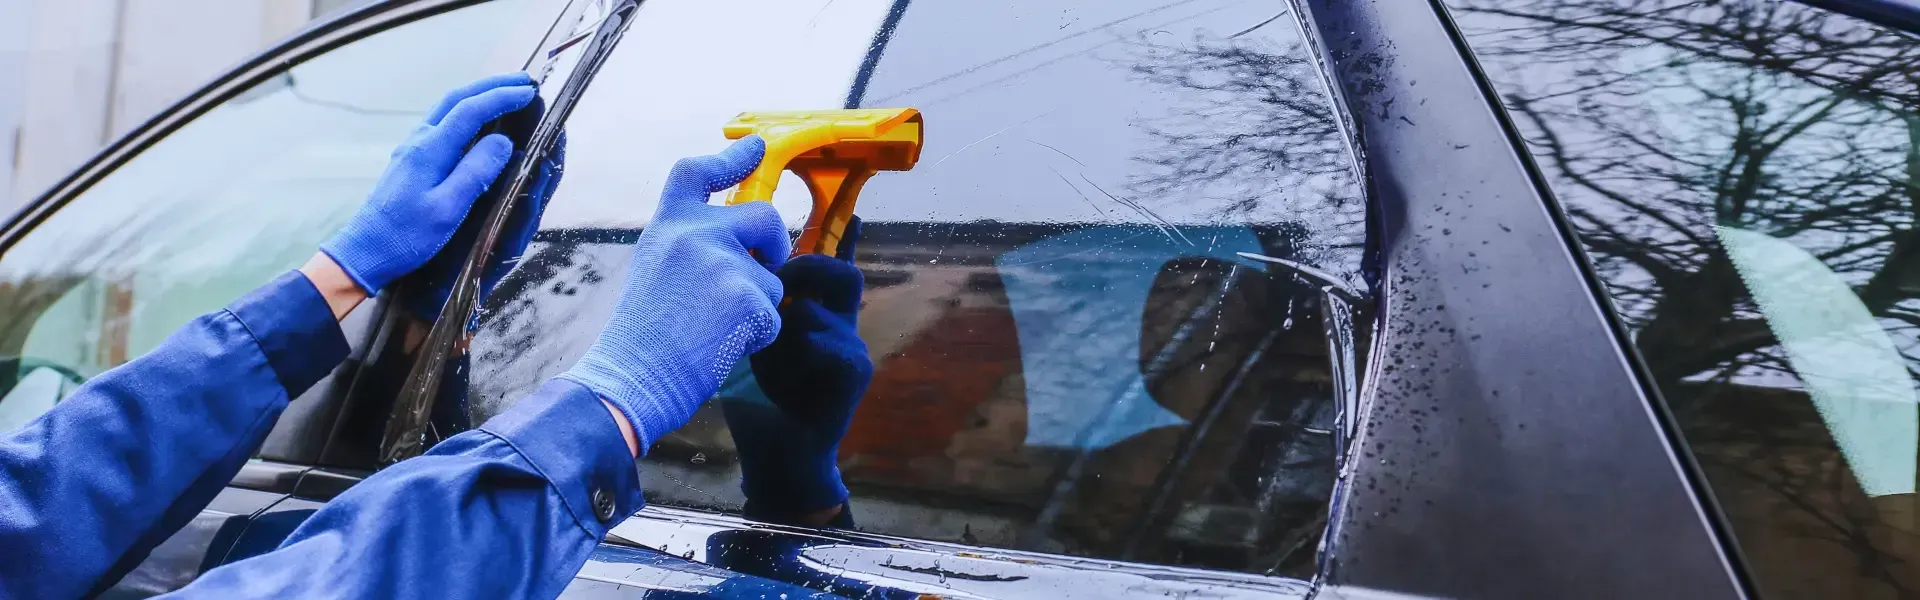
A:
x: 241, y: 194
x: 1082, y: 344
x: 1742, y: 175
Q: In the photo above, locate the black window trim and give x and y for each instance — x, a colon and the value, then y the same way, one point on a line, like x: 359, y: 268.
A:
x: 1903, y: 15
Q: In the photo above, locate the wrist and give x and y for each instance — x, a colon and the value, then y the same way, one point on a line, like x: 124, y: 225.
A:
x: 626, y: 428
x: 652, y: 406
x: 338, y: 289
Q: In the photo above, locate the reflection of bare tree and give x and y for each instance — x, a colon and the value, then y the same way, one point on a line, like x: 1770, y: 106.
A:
x: 1658, y: 120
x: 1255, y: 124
x: 1255, y: 133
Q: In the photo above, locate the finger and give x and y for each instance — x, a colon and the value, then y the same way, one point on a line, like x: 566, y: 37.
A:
x: 694, y: 179
x: 835, y: 283
x: 453, y: 98
x: 769, y: 286
x: 476, y: 171
x: 848, y: 239
x: 758, y: 227
x: 475, y: 112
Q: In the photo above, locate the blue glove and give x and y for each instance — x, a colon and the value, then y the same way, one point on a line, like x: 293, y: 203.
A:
x: 696, y: 300
x: 430, y: 183
x: 814, y: 374
x: 444, y: 267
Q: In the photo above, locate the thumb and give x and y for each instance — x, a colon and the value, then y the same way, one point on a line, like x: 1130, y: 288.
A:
x: 694, y: 179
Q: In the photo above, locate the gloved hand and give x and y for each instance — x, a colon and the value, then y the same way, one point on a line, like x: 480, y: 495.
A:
x: 444, y: 267
x: 814, y: 374
x: 695, y: 300
x: 430, y: 183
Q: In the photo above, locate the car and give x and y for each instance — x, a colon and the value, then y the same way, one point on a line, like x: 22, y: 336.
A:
x: 1502, y: 298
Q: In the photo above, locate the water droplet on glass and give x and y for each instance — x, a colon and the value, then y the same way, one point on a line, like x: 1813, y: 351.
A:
x: 699, y: 458
x: 1288, y: 324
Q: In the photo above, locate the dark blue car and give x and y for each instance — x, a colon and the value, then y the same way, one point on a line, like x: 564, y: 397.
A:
x: 1185, y: 298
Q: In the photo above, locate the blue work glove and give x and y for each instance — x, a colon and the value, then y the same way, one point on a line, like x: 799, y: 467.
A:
x: 814, y: 374
x: 444, y: 267
x: 700, y: 295
x: 429, y: 184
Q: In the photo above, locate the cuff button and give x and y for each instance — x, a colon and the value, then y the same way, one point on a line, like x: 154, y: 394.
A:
x: 603, y: 505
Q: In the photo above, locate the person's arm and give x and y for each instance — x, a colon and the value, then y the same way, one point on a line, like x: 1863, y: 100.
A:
x: 90, y: 487
x: 134, y: 453
x: 514, y: 508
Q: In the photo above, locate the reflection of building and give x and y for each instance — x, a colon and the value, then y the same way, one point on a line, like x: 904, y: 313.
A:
x: 1100, y: 390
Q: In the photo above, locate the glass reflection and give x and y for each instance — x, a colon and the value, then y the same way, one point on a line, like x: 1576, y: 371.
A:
x: 1074, y: 351
x: 1742, y: 174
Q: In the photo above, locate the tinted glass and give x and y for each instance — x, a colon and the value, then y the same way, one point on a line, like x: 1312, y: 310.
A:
x: 1742, y: 176
x: 1082, y: 344
x: 241, y: 194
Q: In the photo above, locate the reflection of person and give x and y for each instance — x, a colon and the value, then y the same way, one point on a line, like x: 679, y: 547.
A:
x: 814, y: 374
x: 510, y: 509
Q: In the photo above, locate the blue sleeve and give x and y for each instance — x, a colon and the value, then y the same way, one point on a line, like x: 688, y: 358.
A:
x: 90, y: 487
x: 509, y: 510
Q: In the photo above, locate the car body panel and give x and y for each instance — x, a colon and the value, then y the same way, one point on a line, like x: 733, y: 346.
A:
x: 1508, y: 449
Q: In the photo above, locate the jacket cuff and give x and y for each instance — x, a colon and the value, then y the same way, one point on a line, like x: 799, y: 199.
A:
x: 294, y: 327
x: 567, y: 435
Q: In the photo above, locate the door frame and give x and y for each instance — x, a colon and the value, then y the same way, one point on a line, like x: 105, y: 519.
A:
x: 1509, y: 446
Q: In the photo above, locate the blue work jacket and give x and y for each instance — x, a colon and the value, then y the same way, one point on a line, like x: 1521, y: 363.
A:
x: 509, y: 510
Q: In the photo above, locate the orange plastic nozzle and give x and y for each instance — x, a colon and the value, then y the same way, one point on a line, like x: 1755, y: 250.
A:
x: 834, y: 151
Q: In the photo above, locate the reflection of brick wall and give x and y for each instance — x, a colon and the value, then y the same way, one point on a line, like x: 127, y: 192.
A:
x: 946, y: 418
x: 939, y: 446
x: 944, y: 392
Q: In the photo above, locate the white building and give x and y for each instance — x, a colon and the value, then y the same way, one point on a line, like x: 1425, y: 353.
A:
x: 77, y: 74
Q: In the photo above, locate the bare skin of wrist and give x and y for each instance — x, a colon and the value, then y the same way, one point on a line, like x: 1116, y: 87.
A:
x: 626, y: 429
x: 339, y: 290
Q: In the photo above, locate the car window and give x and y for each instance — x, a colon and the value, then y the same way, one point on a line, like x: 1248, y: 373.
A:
x: 230, y: 200
x: 1742, y: 176
x: 1087, y: 338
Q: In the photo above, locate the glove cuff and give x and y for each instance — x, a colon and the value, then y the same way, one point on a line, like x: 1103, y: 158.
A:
x: 356, y: 264
x: 651, y: 419
x: 785, y: 469
x: 773, y: 494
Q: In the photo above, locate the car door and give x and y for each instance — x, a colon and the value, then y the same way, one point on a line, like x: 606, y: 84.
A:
x: 1509, y: 446
x: 235, y: 185
x: 1741, y: 177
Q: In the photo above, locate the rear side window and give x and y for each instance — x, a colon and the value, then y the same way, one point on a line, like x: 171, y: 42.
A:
x: 1087, y: 335
x: 243, y: 193
x: 1742, y: 175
